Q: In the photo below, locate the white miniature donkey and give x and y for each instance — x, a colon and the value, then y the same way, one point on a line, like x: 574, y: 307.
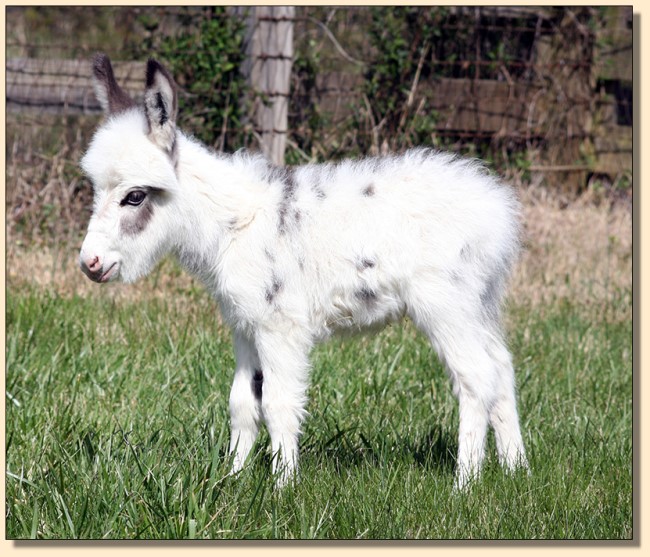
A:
x: 292, y: 255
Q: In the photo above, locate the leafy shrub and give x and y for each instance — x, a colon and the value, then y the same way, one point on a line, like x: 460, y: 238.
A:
x: 205, y: 58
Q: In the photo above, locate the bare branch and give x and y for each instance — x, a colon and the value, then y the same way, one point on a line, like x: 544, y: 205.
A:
x: 337, y: 45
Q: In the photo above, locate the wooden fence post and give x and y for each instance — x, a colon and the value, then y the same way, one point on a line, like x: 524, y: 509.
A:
x: 269, y: 46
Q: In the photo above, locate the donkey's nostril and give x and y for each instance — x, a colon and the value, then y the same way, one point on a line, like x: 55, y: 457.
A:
x: 93, y: 263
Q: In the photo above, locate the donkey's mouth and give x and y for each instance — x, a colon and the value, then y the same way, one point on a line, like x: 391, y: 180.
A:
x: 109, y: 274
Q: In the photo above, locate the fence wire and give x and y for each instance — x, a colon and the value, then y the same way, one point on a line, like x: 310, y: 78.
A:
x: 558, y: 80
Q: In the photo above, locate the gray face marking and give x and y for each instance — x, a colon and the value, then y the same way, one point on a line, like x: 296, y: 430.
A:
x: 136, y: 219
x: 273, y: 290
x: 256, y: 384
x: 366, y: 294
x: 369, y: 190
x: 366, y: 263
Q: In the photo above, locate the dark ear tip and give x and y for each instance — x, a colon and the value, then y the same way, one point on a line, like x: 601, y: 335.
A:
x: 111, y: 97
x: 101, y: 64
x: 153, y: 66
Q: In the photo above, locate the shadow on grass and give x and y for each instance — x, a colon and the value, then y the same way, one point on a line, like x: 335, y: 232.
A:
x: 351, y: 447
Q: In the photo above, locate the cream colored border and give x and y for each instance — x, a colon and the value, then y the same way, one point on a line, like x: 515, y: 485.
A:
x: 642, y: 69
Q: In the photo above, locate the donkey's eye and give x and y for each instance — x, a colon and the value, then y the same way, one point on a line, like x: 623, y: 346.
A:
x: 134, y: 198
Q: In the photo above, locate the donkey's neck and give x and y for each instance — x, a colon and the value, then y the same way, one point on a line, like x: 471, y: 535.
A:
x: 221, y: 193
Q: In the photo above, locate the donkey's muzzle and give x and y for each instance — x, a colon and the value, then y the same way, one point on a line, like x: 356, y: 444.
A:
x: 94, y: 269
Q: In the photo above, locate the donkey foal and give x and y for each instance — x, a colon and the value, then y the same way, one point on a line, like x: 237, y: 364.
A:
x: 292, y: 255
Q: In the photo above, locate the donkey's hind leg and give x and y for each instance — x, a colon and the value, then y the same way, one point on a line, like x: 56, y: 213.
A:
x: 474, y: 381
x: 461, y: 338
x: 504, y: 417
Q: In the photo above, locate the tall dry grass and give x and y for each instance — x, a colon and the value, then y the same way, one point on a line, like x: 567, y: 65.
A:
x: 580, y: 252
x: 47, y: 199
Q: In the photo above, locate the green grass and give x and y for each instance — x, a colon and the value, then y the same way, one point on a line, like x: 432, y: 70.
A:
x: 117, y: 421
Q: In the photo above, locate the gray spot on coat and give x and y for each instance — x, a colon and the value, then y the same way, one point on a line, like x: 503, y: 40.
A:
x: 366, y: 294
x: 467, y: 253
x: 256, y: 384
x: 318, y: 190
x: 369, y: 190
x: 366, y: 263
x: 273, y: 290
x: 491, y: 297
x: 287, y: 177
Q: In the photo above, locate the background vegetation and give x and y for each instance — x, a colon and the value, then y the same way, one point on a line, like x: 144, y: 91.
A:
x: 393, y: 61
x: 116, y: 397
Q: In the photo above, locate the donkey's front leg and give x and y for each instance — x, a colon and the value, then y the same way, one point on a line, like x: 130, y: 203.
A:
x: 245, y: 397
x: 284, y: 366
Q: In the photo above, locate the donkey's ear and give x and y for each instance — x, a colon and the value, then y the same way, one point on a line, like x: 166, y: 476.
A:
x: 109, y: 94
x: 161, y: 106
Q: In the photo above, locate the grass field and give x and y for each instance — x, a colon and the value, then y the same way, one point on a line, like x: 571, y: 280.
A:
x: 117, y: 421
x: 117, y: 424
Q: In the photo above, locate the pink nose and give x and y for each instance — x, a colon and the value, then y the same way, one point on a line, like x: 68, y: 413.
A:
x: 93, y: 263
x: 91, y: 266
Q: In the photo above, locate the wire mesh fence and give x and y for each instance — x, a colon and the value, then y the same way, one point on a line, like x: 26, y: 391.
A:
x: 544, y: 93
